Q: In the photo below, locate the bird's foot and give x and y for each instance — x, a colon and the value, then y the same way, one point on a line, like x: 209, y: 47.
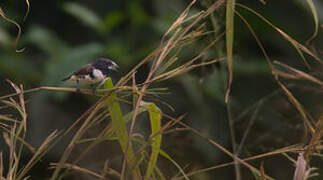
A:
x: 93, y: 89
x: 78, y: 90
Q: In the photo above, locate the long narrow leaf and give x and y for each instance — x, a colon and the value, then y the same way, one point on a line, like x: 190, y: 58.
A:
x: 298, y: 46
x: 297, y: 105
x: 119, y: 123
x: 315, y: 17
x: 155, y: 121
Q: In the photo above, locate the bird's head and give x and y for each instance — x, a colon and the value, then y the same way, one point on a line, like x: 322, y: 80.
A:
x: 105, y: 64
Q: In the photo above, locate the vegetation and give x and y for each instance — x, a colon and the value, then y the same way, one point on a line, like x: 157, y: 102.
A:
x: 204, y: 103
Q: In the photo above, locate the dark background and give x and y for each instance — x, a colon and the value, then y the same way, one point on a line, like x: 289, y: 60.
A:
x: 61, y: 36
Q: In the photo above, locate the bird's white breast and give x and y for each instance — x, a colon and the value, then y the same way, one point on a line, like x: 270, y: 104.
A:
x: 98, y: 74
x: 87, y: 79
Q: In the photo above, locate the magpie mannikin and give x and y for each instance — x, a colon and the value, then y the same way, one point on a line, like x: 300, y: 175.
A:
x: 94, y: 72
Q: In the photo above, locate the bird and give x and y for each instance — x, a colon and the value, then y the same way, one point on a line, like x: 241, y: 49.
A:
x: 92, y: 73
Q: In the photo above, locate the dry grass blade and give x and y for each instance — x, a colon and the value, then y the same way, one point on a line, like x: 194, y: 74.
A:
x: 299, y: 74
x: 20, y: 91
x: 293, y: 148
x: 28, y: 9
x: 315, y: 140
x: 78, y: 134
x: 316, y: 21
x: 250, y: 124
x: 225, y: 150
x: 169, y: 45
x: 179, y: 35
x: 13, y: 158
x: 182, y: 69
x: 175, y: 163
x: 188, y: 66
x: 8, y: 119
x: 1, y: 165
x: 26, y: 144
x: 296, y: 44
x: 78, y: 169
x: 64, y: 89
x: 171, y: 61
x: 37, y: 155
x: 262, y: 171
x: 3, y: 15
x: 110, y: 171
x: 106, y: 132
x: 47, y: 88
x: 180, y: 19
x: 214, y: 6
x: 128, y: 76
x: 261, y: 46
x: 229, y: 32
x: 296, y: 103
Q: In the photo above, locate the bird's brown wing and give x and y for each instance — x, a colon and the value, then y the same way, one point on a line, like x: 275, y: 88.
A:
x: 81, y: 73
x: 85, y: 70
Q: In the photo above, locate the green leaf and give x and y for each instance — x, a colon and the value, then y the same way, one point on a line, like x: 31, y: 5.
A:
x: 119, y: 124
x: 155, y: 121
x: 112, y: 20
x: 137, y: 13
x: 85, y: 15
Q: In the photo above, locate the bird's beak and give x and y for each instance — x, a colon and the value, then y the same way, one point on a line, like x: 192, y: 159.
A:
x: 114, y: 66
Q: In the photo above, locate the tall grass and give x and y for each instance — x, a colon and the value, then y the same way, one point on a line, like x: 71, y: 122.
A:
x: 141, y: 155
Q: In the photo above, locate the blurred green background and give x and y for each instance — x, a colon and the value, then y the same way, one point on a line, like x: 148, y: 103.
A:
x: 61, y: 36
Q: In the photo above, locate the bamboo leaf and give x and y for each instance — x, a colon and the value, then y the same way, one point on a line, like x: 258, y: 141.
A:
x: 119, y: 123
x: 155, y: 121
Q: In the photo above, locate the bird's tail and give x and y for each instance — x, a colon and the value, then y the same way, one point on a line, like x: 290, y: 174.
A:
x: 67, y: 78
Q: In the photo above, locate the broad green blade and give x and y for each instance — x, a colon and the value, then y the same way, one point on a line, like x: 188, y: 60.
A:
x: 119, y: 124
x: 155, y: 121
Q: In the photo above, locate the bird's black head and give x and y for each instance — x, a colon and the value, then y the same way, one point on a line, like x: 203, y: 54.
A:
x: 105, y: 65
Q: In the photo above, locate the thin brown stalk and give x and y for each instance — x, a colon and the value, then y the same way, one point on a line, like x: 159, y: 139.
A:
x: 1, y: 165
x: 299, y: 74
x: 79, y: 169
x: 37, y: 154
x: 28, y: 9
x: 70, y: 147
x: 315, y: 140
x: 285, y: 35
x: 291, y: 148
x: 224, y: 150
x: 25, y: 143
x: 296, y: 103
